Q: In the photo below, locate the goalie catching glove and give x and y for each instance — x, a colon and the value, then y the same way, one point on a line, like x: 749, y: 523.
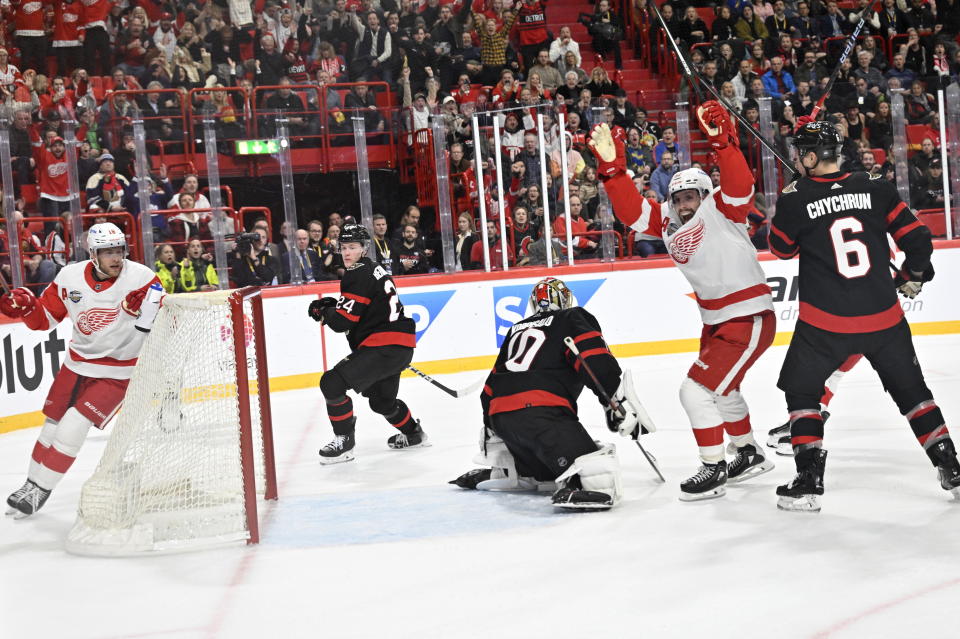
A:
x: 909, y: 283
x: 610, y: 152
x: 633, y: 420
x: 716, y: 123
x: 18, y: 303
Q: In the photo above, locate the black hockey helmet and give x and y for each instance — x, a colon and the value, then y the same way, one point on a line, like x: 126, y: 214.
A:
x: 820, y: 137
x: 355, y: 233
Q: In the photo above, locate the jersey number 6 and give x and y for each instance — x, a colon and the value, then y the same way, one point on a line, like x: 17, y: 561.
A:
x: 853, y: 259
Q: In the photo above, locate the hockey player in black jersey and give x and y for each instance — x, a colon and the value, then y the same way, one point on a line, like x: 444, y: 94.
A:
x: 531, y: 437
x: 837, y: 222
x: 381, y: 341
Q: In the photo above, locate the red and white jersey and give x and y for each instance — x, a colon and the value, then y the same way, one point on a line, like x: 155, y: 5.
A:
x: 95, y: 13
x: 105, y: 342
x: 712, y: 249
x: 53, y: 176
x: 66, y: 24
x: 10, y: 76
x: 29, y: 18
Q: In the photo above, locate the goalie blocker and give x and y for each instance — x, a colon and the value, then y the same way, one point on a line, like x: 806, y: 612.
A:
x: 532, y: 438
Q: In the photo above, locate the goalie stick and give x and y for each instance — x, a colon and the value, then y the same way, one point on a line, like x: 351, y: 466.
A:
x: 616, y: 406
x: 469, y: 390
x: 694, y: 77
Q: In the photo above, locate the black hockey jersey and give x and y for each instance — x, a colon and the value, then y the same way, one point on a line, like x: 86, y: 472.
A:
x: 838, y: 224
x: 369, y: 310
x: 535, y: 367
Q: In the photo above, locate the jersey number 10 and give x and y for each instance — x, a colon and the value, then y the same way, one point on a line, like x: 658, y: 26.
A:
x: 853, y: 259
x: 523, y: 348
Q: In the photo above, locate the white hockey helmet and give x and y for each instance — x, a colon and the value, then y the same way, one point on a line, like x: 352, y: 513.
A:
x: 103, y: 236
x: 689, y: 179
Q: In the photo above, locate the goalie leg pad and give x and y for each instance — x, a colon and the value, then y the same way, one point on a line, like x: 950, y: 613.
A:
x: 503, y: 467
x: 70, y: 434
x: 598, y: 472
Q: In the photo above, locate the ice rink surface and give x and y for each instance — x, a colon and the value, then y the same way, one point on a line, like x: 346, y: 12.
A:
x: 382, y: 546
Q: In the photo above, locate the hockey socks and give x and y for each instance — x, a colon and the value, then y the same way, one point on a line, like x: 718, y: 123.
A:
x: 340, y: 412
x: 806, y: 429
x: 400, y: 417
x: 927, y: 423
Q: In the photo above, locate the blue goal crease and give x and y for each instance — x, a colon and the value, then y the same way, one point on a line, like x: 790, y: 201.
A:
x: 403, y: 515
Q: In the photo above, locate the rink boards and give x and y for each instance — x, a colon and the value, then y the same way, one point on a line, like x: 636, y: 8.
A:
x: 645, y: 308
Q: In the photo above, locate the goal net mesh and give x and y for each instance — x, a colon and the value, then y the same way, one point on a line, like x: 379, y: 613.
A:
x: 171, y: 475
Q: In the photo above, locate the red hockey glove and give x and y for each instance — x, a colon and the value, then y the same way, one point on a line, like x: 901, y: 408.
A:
x: 610, y: 152
x: 131, y: 304
x: 803, y: 119
x: 18, y: 303
x: 715, y: 121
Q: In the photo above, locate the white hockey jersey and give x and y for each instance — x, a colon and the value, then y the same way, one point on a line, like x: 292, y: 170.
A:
x: 712, y: 249
x: 105, y: 342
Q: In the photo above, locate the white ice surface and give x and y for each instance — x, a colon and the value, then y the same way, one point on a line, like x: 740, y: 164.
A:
x: 383, y: 547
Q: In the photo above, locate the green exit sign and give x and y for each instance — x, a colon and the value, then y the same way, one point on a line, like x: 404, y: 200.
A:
x: 257, y: 147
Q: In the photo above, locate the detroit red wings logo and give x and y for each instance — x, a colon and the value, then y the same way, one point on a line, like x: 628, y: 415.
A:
x: 96, y: 319
x: 686, y: 242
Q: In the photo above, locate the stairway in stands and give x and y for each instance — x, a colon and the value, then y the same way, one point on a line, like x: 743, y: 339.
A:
x: 643, y: 86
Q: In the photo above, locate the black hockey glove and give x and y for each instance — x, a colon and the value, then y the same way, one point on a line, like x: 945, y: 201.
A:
x: 315, y: 310
x: 909, y: 283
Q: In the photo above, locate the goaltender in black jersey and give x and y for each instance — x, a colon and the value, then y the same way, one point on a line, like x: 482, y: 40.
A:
x: 532, y: 438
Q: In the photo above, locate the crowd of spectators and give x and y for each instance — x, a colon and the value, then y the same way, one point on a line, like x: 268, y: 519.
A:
x: 450, y: 61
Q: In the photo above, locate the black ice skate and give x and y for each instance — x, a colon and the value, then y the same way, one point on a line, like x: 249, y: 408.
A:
x: 803, y: 493
x: 471, y: 478
x: 413, y: 438
x: 32, y: 500
x: 775, y: 434
x: 16, y: 496
x: 709, y: 482
x: 749, y: 462
x: 944, y: 457
x: 579, y: 499
x: 339, y: 450
x: 784, y: 444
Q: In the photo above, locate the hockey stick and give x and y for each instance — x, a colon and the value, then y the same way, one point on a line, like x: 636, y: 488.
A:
x: 847, y: 49
x: 469, y: 390
x: 694, y: 76
x: 3, y: 283
x: 614, y: 404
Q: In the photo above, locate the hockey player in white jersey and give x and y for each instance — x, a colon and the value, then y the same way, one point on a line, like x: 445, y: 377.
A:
x: 704, y: 229
x: 112, y: 303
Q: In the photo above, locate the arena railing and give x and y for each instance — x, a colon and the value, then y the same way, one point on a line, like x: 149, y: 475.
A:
x: 167, y: 132
x: 229, y: 109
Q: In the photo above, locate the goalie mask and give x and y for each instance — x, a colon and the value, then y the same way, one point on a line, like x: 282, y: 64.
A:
x: 550, y: 294
x: 103, y: 236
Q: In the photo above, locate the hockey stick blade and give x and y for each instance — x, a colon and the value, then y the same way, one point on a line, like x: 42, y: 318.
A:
x: 615, y: 405
x: 469, y: 390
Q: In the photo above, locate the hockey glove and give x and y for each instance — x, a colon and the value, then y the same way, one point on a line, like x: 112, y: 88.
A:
x: 626, y: 424
x: 634, y: 420
x: 610, y: 152
x: 715, y: 122
x: 802, y: 120
x: 134, y: 299
x: 18, y: 303
x: 909, y: 283
x: 315, y: 310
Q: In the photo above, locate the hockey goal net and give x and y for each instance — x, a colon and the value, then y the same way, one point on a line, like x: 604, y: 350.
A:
x: 192, y: 448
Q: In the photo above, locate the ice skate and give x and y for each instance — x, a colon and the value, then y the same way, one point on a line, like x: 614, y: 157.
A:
x: 803, y: 492
x: 709, y: 482
x: 578, y: 499
x: 784, y: 444
x: 32, y: 500
x: 774, y: 435
x: 749, y: 462
x: 16, y: 496
x: 471, y: 478
x: 944, y: 457
x: 339, y: 450
x: 416, y: 438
